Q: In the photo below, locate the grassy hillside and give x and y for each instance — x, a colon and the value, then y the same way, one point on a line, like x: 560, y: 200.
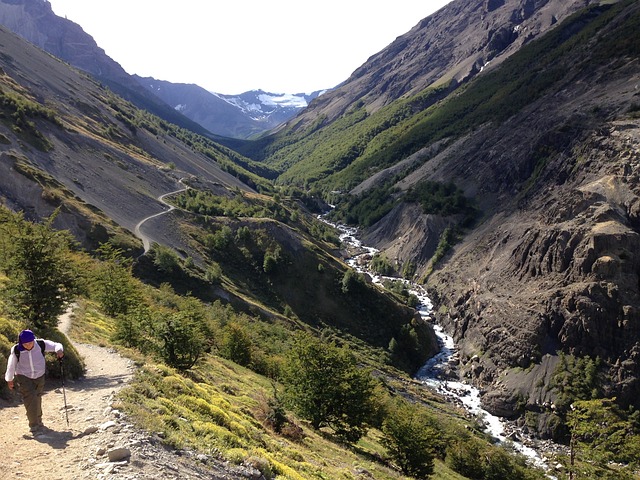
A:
x: 342, y: 154
x: 232, y: 399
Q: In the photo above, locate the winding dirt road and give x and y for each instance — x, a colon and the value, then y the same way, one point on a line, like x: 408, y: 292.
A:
x: 146, y: 241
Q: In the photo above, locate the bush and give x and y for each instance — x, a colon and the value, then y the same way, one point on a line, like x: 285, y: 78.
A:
x: 352, y: 282
x: 468, y: 457
x: 131, y: 327
x: 182, y: 339
x: 235, y: 344
x: 411, y: 439
x: 381, y: 265
x: 213, y: 273
x: 324, y: 385
x: 164, y: 258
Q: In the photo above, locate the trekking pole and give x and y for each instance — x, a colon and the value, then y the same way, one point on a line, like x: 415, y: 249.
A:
x: 64, y: 393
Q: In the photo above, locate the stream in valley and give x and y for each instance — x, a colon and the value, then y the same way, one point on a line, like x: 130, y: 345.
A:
x: 433, y: 373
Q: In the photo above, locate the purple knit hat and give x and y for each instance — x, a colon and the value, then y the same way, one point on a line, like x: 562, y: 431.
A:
x: 26, y: 336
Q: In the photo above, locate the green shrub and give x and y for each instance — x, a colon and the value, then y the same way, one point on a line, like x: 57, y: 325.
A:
x: 324, y: 384
x: 235, y: 344
x: 411, y: 439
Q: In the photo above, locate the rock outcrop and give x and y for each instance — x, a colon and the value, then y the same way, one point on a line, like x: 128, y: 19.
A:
x: 554, y: 264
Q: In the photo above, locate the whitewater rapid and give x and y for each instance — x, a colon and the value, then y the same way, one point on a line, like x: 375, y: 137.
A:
x: 431, y: 373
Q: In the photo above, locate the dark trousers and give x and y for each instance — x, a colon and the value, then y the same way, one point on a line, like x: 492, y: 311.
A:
x: 31, y: 391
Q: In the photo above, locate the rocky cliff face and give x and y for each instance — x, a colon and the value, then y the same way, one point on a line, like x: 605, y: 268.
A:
x: 553, y: 265
x: 559, y: 275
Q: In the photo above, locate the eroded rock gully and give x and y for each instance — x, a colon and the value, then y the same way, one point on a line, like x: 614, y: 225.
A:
x: 549, y: 269
x: 561, y: 275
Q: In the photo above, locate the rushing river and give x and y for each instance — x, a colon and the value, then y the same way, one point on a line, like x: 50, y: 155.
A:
x: 432, y: 373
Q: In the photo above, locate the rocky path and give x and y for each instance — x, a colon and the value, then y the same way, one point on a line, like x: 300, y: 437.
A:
x: 99, y: 443
x: 146, y: 241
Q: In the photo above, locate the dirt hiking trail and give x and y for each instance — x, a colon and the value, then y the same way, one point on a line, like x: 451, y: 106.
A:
x: 99, y: 443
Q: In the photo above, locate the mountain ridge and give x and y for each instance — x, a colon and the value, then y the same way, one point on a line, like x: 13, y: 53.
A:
x: 240, y: 116
x: 446, y: 48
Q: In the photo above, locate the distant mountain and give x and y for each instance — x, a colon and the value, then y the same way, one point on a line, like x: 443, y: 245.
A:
x: 189, y: 106
x: 236, y: 116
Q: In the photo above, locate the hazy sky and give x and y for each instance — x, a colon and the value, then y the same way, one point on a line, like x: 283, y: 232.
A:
x: 232, y: 46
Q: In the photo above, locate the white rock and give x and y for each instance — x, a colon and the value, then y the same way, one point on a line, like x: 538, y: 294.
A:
x: 118, y: 454
x: 107, y: 425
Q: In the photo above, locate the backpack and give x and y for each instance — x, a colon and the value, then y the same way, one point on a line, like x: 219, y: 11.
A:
x: 16, y: 348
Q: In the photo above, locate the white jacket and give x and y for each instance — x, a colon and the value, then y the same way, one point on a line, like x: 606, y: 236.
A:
x: 32, y: 363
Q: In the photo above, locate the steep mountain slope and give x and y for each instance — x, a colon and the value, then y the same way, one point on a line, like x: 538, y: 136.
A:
x: 35, y: 21
x: 235, y: 116
x: 552, y: 267
x: 545, y: 143
x: 444, y: 49
x: 74, y: 139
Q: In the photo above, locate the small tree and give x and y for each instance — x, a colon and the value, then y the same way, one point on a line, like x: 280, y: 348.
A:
x: 132, y: 328
x: 352, y: 281
x: 213, y: 273
x: 410, y: 439
x: 473, y: 459
x: 42, y: 279
x: 221, y: 240
x: 324, y: 385
x: 165, y: 258
x: 183, y: 334
x: 381, y: 265
x: 114, y: 285
x: 236, y: 344
x: 272, y: 258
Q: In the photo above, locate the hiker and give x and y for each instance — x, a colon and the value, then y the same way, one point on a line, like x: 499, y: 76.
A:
x: 27, y: 365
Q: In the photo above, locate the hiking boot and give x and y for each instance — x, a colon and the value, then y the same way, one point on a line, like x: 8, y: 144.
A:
x: 37, y: 429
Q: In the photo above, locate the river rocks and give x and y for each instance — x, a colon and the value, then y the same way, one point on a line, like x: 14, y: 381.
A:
x: 501, y: 404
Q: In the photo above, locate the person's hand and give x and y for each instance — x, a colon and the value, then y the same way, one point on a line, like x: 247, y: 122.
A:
x: 10, y: 383
x: 60, y: 354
